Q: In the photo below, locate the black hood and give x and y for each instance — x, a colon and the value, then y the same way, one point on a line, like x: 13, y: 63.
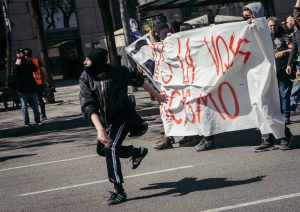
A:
x: 98, y: 56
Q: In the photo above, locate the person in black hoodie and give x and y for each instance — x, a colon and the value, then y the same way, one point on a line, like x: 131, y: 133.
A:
x: 26, y: 87
x: 281, y: 58
x: 295, y: 58
x: 105, y: 102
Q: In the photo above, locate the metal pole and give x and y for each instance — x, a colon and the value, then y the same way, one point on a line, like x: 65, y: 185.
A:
x: 9, y: 41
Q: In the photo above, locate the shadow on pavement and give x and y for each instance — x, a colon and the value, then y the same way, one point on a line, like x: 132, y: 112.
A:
x: 5, y: 158
x: 62, y: 123
x: 250, y: 137
x: 65, y: 83
x: 47, y: 126
x: 191, y: 184
x: 296, y: 142
x: 4, y: 146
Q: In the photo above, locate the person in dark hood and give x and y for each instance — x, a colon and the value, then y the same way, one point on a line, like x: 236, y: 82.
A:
x: 105, y: 102
x: 156, y: 32
x: 250, y: 12
x: 97, y: 63
x: 170, y: 28
x: 174, y: 26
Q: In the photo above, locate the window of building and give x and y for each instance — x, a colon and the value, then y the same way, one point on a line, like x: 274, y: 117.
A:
x: 58, y: 14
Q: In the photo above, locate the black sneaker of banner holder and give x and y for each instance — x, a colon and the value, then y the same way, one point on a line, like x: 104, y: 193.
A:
x: 116, y: 198
x: 286, y: 143
x: 287, y: 121
x: 205, y: 144
x: 136, y: 161
x: 266, y: 145
x: 165, y: 143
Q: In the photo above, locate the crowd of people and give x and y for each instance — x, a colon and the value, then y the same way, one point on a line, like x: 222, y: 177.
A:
x: 105, y: 102
x: 286, y: 57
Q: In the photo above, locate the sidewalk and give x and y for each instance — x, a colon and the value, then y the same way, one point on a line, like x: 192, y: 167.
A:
x: 65, y: 113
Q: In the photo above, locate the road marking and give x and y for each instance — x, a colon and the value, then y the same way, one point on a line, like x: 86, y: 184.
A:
x: 230, y: 207
x: 38, y: 164
x: 103, y: 181
x: 57, y: 161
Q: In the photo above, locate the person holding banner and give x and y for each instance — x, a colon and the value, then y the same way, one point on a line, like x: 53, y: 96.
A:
x: 160, y: 32
x: 105, y: 102
x: 250, y: 12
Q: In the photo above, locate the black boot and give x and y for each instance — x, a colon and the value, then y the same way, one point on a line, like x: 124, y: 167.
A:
x: 207, y: 143
x: 267, y: 143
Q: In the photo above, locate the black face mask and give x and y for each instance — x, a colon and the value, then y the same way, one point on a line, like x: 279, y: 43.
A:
x: 94, y: 71
x: 246, y: 18
x: 98, y: 57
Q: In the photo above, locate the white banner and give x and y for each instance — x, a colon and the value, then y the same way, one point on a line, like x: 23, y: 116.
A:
x: 218, y: 79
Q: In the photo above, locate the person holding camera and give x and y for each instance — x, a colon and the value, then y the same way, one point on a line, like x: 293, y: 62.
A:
x: 40, y: 77
x: 26, y: 86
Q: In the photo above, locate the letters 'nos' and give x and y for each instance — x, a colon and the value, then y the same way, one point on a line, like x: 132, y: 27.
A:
x: 216, y: 54
x: 187, y: 64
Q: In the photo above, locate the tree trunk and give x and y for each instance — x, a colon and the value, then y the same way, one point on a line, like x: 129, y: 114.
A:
x: 125, y: 25
x: 8, y: 38
x: 109, y: 31
x: 38, y: 24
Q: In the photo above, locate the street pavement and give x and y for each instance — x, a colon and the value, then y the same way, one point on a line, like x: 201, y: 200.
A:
x: 54, y: 167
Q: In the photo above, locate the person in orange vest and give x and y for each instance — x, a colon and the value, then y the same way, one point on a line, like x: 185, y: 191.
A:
x: 40, y: 77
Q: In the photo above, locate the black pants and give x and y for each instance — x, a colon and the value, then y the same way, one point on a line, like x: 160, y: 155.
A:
x: 117, y: 133
x: 41, y: 101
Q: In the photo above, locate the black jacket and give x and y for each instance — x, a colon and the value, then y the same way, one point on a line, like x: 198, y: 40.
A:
x: 108, y: 95
x: 24, y: 75
x: 296, y: 44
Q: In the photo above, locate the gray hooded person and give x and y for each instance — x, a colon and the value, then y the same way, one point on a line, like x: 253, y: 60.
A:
x: 253, y: 10
x: 250, y: 12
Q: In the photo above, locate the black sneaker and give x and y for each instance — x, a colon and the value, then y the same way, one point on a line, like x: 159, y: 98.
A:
x: 286, y: 143
x: 136, y: 161
x: 265, y: 146
x: 165, y: 144
x: 116, y: 198
x: 162, y: 139
x: 159, y: 140
x: 43, y: 118
x: 287, y: 121
x: 189, y: 141
x: 205, y: 145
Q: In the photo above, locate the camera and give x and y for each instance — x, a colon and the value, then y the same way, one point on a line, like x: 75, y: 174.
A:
x: 28, y: 52
x: 20, y: 53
